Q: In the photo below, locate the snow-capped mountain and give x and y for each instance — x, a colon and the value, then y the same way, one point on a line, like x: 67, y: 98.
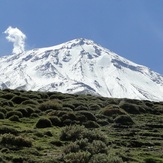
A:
x: 80, y: 66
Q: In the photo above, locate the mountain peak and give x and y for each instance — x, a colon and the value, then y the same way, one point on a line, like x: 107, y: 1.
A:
x: 80, y: 66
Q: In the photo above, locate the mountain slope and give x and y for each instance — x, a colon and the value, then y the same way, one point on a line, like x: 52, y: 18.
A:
x: 80, y: 66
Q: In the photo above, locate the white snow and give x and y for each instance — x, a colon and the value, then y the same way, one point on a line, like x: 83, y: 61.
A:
x: 78, y: 66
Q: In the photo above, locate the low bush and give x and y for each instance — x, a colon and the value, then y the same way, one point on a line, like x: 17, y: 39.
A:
x: 91, y: 124
x: 81, y: 107
x: 29, y: 111
x: 19, y: 99
x: 23, y: 111
x: 67, y: 109
x: 77, y: 157
x: 3, y: 110
x: 97, y: 146
x: 30, y: 101
x: 88, y: 115
x: 55, y: 121
x: 9, y: 139
x: 57, y: 113
x: 124, y: 120
x: 77, y: 132
x: 14, y: 118
x: 57, y: 143
x: 69, y: 115
x: 5, y: 103
x: 72, y: 147
x: 67, y: 122
x: 95, y: 134
x: 81, y: 118
x: 102, y: 122
x: 11, y: 113
x: 66, y: 104
x: 34, y: 115
x: 83, y: 143
x: 43, y: 123
x: 48, y: 105
x: 131, y: 108
x: 94, y: 107
x: 112, y: 111
x: 2, y: 115
x: 153, y: 160
x: 72, y: 133
x: 100, y: 158
x: 7, y: 96
x: 7, y: 130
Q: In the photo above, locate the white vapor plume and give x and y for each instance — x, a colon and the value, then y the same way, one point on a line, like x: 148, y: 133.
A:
x: 17, y: 37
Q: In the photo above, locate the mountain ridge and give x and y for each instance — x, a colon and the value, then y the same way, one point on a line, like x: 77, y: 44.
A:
x: 80, y: 66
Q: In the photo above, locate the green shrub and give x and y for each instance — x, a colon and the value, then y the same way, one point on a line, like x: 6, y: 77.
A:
x: 54, y: 105
x: 88, y: 115
x: 57, y: 95
x: 48, y: 133
x: 2, y: 115
x: 29, y: 111
x: 57, y: 113
x: 72, y: 133
x: 77, y: 157
x: 83, y: 143
x: 7, y: 96
x: 69, y: 115
x: 5, y: 103
x: 9, y: 139
x: 97, y: 146
x: 14, y: 118
x: 124, y: 120
x: 11, y: 113
x: 81, y: 118
x: 72, y: 147
x: 102, y: 122
x: 32, y: 95
x: 18, y: 99
x: 95, y: 134
x: 55, y: 121
x: 130, y: 108
x: 23, y: 111
x: 153, y: 160
x: 75, y: 102
x: 114, y: 158
x: 69, y: 105
x: 112, y: 111
x: 43, y: 123
x: 57, y: 143
x: 30, y: 101
x: 91, y: 124
x: 94, y: 107
x: 67, y: 109
x: 7, y: 130
x: 67, y: 122
x: 3, y: 110
x: 81, y: 107
x: 76, y: 132
x: 100, y: 158
x: 17, y: 159
x: 34, y: 115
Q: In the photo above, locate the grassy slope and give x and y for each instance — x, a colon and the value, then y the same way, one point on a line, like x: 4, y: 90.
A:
x: 75, y: 127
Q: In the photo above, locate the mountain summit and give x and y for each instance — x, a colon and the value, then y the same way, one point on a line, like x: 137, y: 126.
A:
x: 80, y: 66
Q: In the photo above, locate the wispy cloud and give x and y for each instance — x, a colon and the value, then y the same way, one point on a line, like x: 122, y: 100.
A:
x: 17, y: 37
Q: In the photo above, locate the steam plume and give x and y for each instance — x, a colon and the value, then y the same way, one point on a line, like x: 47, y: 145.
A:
x: 17, y: 37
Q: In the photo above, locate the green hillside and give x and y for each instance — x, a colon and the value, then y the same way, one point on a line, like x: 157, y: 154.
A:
x: 39, y: 127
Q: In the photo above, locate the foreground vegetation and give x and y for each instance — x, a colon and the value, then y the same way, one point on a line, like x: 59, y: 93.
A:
x: 51, y: 127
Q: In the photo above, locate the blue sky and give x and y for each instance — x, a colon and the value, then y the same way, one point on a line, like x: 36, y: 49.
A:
x: 131, y: 28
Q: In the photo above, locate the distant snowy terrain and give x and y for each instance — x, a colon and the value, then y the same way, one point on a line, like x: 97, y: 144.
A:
x: 80, y: 66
